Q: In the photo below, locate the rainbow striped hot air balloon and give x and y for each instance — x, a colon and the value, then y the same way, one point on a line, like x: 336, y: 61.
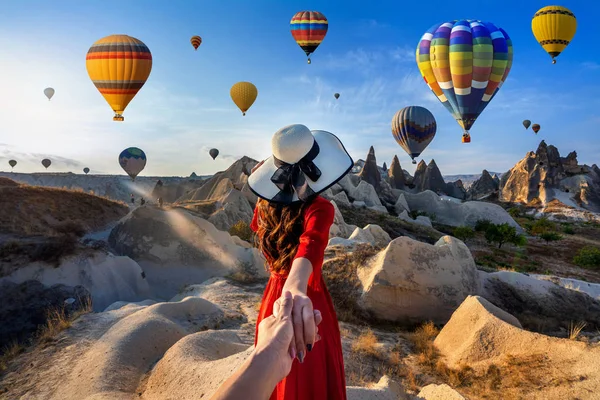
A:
x: 118, y: 65
x: 309, y: 29
x: 465, y: 62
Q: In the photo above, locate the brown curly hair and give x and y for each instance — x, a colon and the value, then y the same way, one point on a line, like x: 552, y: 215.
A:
x: 278, y: 233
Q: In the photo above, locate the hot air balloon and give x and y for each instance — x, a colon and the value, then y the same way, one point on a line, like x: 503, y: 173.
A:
x: 213, y: 153
x: 309, y: 29
x: 12, y: 163
x: 86, y: 170
x: 414, y: 128
x: 49, y: 92
x: 536, y: 128
x: 46, y: 163
x: 526, y: 123
x: 118, y: 65
x: 133, y: 161
x: 243, y: 95
x: 465, y: 63
x: 196, y: 41
x: 337, y: 96
x: 554, y: 28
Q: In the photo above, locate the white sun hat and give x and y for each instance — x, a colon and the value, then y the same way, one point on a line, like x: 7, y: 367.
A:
x: 304, y: 163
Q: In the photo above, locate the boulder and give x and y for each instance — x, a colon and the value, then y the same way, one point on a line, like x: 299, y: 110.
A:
x: 339, y: 228
x: 342, y: 199
x: 372, y: 234
x: 385, y: 389
x: 401, y: 205
x: 414, y: 282
x: 439, y: 392
x: 366, y: 193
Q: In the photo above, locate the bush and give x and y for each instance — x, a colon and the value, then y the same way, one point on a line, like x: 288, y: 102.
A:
x: 504, y: 233
x: 568, y: 229
x: 543, y: 225
x: 588, y: 257
x: 482, y: 225
x: 514, y: 212
x: 414, y: 214
x: 242, y: 230
x: 550, y: 236
x: 463, y: 233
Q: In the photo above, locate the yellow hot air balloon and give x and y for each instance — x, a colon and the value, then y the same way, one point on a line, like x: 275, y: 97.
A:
x: 118, y: 65
x: 243, y: 95
x: 554, y: 27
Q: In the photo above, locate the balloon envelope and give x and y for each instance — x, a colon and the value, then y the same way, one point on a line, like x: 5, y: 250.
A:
x: 309, y: 29
x: 49, y: 92
x: 337, y: 95
x: 213, y: 153
x: 12, y: 163
x: 46, y: 163
x: 118, y: 65
x: 86, y: 170
x: 536, y: 127
x: 554, y: 28
x: 465, y: 62
x: 414, y: 128
x: 133, y: 161
x: 196, y: 41
x: 526, y: 123
x: 243, y: 95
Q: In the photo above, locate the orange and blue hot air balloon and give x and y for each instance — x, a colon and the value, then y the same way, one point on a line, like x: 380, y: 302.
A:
x: 465, y: 62
x: 118, y: 65
x: 309, y: 29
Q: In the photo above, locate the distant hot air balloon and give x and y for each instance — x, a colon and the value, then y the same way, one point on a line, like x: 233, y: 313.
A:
x: 46, y: 163
x: 243, y: 95
x: 309, y: 29
x: 536, y: 128
x: 49, y: 92
x: 414, y: 128
x: 133, y: 161
x: 118, y: 65
x: 213, y: 153
x: 465, y: 63
x: 337, y: 95
x: 526, y: 123
x: 554, y: 28
x: 196, y: 41
x: 12, y: 163
x: 86, y: 170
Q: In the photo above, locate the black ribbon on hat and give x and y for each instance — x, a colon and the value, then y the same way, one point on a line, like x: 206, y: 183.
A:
x: 291, y: 178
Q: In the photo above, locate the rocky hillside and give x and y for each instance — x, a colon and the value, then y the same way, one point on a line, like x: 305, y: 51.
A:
x: 543, y: 176
x: 34, y: 210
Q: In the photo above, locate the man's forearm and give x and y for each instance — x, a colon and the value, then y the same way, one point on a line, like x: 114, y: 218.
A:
x: 252, y: 381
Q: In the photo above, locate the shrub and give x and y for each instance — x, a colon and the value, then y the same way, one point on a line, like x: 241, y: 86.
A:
x: 514, y: 212
x: 504, y: 233
x: 543, y: 225
x: 588, y: 257
x: 463, y: 233
x: 568, y: 229
x: 550, y: 236
x: 242, y: 230
x: 482, y: 225
x: 70, y: 228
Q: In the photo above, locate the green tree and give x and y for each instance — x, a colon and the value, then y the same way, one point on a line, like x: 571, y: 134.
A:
x: 543, y: 225
x: 504, y: 233
x: 463, y: 233
x: 514, y: 212
x: 482, y: 225
x: 550, y: 236
x: 588, y: 257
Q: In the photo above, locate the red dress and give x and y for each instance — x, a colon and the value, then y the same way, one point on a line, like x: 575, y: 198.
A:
x: 321, y: 376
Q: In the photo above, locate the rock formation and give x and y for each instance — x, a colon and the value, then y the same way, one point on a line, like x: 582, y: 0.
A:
x: 396, y: 174
x: 544, y: 176
x: 384, y: 167
x: 419, y: 178
x: 483, y: 187
x: 370, y: 172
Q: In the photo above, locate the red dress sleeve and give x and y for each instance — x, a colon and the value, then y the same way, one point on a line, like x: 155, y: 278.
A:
x: 317, y: 222
x: 254, y: 223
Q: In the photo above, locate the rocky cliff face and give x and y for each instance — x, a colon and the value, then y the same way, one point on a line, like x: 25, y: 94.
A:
x: 543, y: 176
x: 483, y: 187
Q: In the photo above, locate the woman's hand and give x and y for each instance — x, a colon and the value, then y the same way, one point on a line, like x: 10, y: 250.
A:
x: 256, y: 166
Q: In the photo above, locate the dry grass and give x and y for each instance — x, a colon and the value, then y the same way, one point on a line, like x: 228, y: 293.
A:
x: 58, y: 319
x: 9, y: 353
x: 575, y: 329
x: 366, y: 344
x: 35, y: 210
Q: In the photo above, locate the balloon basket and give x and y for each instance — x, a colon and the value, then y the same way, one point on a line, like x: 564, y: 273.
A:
x: 308, y: 62
x: 118, y: 118
x: 414, y: 162
x: 553, y: 61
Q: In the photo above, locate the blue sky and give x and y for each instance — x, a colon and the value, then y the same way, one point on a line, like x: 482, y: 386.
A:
x: 367, y: 56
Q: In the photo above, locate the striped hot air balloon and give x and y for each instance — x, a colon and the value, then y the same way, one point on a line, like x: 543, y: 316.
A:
x: 118, y: 65
x: 554, y: 28
x: 133, y: 161
x: 414, y: 128
x: 465, y: 62
x: 196, y: 41
x: 309, y: 29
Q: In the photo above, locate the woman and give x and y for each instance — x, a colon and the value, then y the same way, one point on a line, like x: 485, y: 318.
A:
x: 292, y: 225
